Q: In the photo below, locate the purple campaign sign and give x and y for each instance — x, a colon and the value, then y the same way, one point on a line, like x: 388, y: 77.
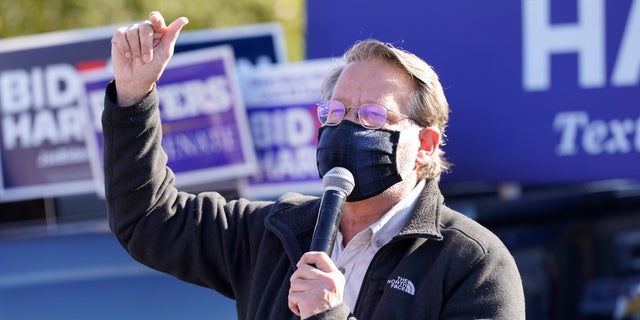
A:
x: 42, y: 147
x: 281, y: 106
x: 205, y: 132
x: 541, y: 91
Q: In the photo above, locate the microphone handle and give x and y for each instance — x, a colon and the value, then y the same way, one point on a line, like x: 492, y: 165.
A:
x: 329, y: 215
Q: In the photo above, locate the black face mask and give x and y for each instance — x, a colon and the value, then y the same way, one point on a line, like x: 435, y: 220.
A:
x: 370, y: 155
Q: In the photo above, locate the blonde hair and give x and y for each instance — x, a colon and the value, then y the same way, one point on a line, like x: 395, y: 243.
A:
x: 428, y: 104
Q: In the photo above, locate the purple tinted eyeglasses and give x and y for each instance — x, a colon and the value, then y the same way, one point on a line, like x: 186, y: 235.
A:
x: 370, y: 115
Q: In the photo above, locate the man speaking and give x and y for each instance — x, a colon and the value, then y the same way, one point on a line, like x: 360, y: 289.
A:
x: 400, y: 252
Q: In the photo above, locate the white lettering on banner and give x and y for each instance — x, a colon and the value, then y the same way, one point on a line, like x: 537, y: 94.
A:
x: 62, y: 156
x: 28, y: 130
x: 586, y: 37
x: 40, y: 106
x: 288, y: 163
x: 627, y: 71
x: 204, y: 142
x: 58, y: 85
x: 14, y: 91
x: 542, y: 39
x: 290, y: 127
x: 594, y: 137
x: 286, y: 138
x: 195, y: 97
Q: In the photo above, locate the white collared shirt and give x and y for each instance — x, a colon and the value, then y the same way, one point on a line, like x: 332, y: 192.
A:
x: 353, y: 260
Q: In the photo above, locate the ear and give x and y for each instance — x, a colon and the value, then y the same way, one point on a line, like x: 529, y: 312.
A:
x: 429, y: 142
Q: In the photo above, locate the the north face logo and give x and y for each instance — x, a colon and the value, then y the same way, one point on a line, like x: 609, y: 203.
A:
x: 402, y: 284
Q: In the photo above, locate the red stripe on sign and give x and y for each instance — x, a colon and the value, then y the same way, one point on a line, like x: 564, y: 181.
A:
x: 90, y: 65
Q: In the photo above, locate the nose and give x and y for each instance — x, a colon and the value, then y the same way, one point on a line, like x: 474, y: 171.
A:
x: 352, y: 114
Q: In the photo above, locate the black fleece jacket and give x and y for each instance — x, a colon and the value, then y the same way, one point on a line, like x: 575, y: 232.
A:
x: 442, y: 265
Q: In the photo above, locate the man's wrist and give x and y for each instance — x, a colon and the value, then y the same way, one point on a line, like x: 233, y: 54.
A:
x: 128, y: 96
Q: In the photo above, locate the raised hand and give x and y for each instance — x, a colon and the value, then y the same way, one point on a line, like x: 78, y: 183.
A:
x: 140, y: 53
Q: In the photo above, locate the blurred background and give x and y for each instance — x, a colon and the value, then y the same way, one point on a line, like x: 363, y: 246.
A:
x: 32, y: 17
x: 544, y: 135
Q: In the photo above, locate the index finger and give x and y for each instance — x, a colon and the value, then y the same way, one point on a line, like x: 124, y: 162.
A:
x: 318, y: 259
x: 119, y: 42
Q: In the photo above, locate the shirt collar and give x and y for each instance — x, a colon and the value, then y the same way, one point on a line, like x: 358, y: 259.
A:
x: 390, y: 224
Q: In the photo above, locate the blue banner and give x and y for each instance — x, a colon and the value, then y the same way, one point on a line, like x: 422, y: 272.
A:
x: 541, y: 91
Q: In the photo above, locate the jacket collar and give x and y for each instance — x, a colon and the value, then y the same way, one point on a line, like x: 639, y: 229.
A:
x: 293, y: 219
x: 293, y: 216
x: 425, y: 220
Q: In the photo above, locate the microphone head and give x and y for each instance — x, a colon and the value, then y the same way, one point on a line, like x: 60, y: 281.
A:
x: 338, y: 178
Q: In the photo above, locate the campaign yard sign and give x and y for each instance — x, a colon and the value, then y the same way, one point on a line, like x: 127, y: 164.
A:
x: 42, y: 147
x: 541, y: 91
x: 281, y: 106
x: 204, y: 125
x: 43, y: 151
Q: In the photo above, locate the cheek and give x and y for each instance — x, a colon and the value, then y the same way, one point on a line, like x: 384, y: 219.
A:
x: 407, y: 152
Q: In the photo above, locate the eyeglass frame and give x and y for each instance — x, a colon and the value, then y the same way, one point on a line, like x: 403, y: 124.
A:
x: 358, y: 108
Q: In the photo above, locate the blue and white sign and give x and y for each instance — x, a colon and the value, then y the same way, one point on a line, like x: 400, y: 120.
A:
x: 281, y: 107
x: 204, y: 125
x: 541, y: 91
x: 42, y: 149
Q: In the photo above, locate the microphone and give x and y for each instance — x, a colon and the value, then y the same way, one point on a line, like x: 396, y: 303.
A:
x: 338, y: 184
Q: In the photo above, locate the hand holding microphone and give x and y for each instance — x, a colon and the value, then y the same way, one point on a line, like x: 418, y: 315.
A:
x: 317, y: 284
x: 337, y: 184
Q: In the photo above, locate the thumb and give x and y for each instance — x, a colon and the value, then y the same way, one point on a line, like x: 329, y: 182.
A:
x: 173, y: 30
